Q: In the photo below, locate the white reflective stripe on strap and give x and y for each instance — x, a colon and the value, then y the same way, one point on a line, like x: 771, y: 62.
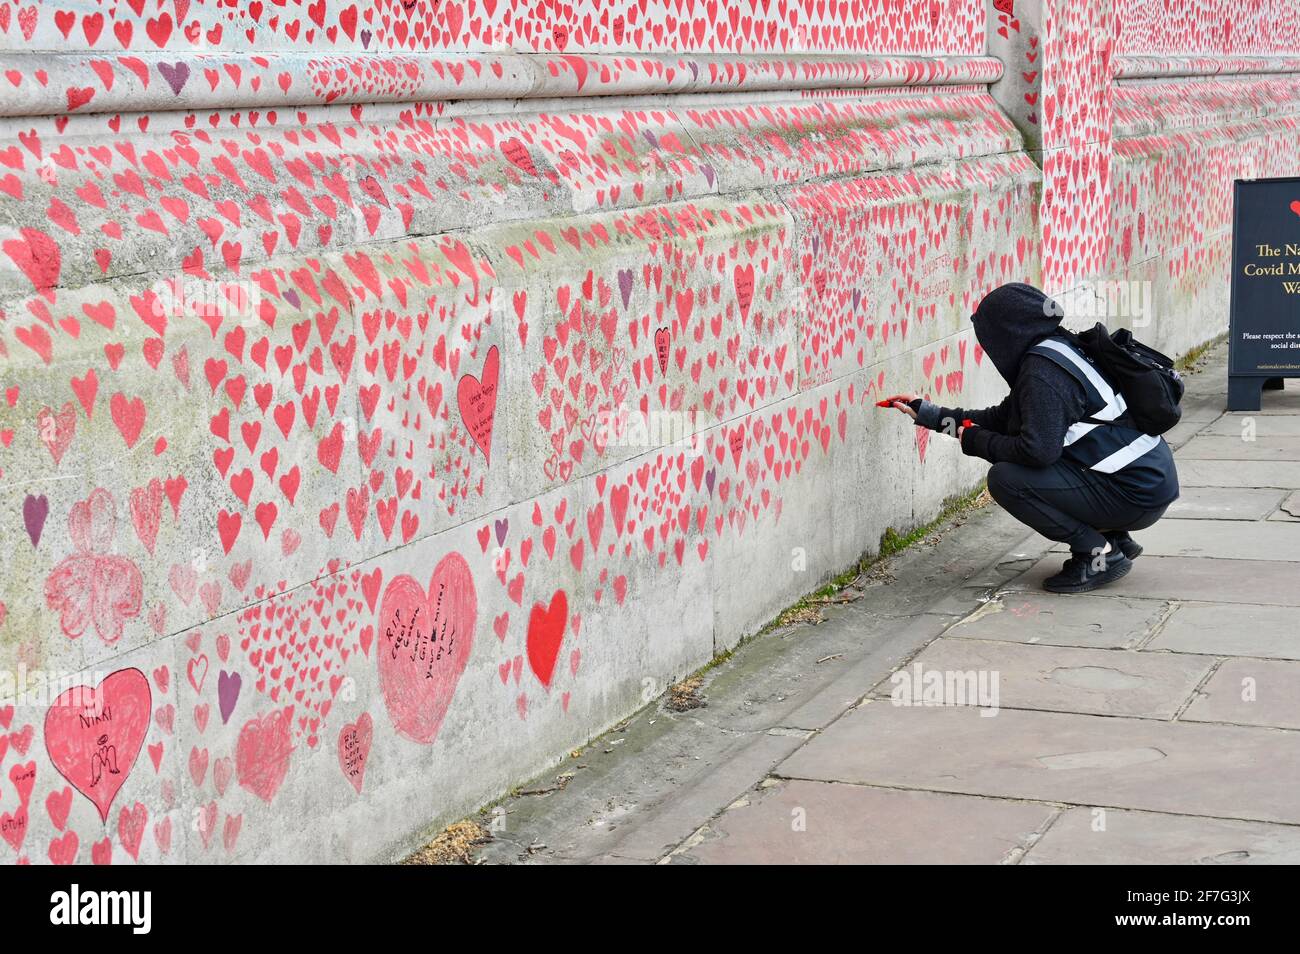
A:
x: 1115, y: 405
x: 1078, y: 432
x: 1126, y: 455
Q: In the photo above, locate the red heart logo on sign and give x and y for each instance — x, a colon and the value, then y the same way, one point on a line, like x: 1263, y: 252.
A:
x: 425, y: 642
x: 93, y: 735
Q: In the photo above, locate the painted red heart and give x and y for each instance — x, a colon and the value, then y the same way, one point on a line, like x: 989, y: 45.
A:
x: 130, y: 828
x: 545, y: 634
x: 662, y: 342
x: 63, y: 851
x: 57, y: 430
x: 425, y: 641
x: 129, y: 415
x: 13, y: 827
x: 37, y: 256
x: 354, y: 749
x: 477, y: 400
x: 262, y: 753
x: 93, y: 734
x: 517, y: 153
x: 743, y: 278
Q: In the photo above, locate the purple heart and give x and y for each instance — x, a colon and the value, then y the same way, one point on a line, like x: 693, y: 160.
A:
x: 651, y: 138
x: 365, y: 39
x: 292, y: 298
x: 501, y: 526
x: 708, y: 479
x: 228, y: 685
x: 625, y: 285
x: 176, y: 74
x: 708, y: 173
x: 35, y: 510
x: 857, y: 297
x: 816, y: 242
x: 695, y: 69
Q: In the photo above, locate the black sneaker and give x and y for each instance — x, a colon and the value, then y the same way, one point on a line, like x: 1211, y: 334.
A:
x: 1124, y: 544
x: 1078, y: 574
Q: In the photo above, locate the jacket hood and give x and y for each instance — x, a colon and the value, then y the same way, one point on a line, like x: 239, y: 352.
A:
x: 1010, y: 320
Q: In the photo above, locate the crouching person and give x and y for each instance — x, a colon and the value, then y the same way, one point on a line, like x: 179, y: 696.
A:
x: 1067, y: 459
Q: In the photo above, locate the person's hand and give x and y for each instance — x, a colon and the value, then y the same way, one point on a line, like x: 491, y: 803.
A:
x: 900, y: 401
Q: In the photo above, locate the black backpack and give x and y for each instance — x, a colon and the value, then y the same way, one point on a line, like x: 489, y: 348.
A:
x: 1151, y: 387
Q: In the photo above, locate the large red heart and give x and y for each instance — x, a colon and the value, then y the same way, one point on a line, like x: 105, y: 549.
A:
x: 93, y: 735
x: 262, y: 752
x: 425, y: 642
x: 478, y: 402
x: 545, y: 634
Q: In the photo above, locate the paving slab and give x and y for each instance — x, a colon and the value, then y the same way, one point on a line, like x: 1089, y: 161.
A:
x: 1234, y: 425
x: 596, y: 803
x: 1113, y: 682
x: 1102, y: 622
x: 959, y: 601
x: 856, y: 679
x: 676, y: 817
x: 1150, y: 838
x: 1223, y: 540
x: 1289, y: 509
x: 1179, y: 767
x: 1225, y: 503
x: 1011, y: 564
x: 1182, y: 432
x: 1206, y: 394
x: 1190, y: 578
x: 1234, y: 473
x: 801, y: 822
x: 1225, y: 447
x: 1226, y: 629
x: 1274, y: 402
x: 1250, y: 692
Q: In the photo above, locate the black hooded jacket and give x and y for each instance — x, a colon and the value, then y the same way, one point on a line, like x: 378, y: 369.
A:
x: 1030, y: 424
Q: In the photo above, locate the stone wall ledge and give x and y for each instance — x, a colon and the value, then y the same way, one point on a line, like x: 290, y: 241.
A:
x: 1226, y: 105
x: 1164, y: 67
x: 81, y: 83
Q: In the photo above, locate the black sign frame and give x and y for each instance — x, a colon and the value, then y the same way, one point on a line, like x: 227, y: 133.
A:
x: 1246, y: 381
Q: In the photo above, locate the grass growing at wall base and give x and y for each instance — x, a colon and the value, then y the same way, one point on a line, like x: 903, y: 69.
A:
x: 1190, y: 363
x: 892, y: 542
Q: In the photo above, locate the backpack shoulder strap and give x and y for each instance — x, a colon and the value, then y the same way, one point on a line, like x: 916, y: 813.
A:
x: 1101, y: 394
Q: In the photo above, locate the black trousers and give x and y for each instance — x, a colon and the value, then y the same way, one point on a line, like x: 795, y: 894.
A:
x: 1067, y: 503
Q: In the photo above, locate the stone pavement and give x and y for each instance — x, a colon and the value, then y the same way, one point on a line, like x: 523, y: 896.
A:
x: 1157, y: 720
